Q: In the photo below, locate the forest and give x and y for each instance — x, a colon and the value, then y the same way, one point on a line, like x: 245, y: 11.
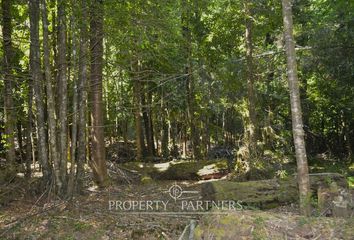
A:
x: 177, y: 119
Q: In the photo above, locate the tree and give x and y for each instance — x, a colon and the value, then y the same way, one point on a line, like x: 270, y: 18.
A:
x: 29, y: 130
x: 35, y: 67
x: 190, y: 81
x: 147, y: 118
x: 10, y: 117
x: 82, y: 94
x: 98, y: 162
x: 75, y: 100
x: 63, y: 93
x: 137, y: 90
x: 296, y: 112
x: 252, y: 128
x: 52, y: 121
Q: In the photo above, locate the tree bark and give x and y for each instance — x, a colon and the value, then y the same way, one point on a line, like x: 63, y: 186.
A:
x: 146, y: 106
x: 29, y: 142
x: 187, y: 35
x: 35, y: 66
x: 52, y: 122
x: 98, y: 163
x: 30, y: 155
x: 82, y: 94
x: 63, y: 95
x: 20, y: 140
x: 252, y: 126
x: 73, y: 61
x: 137, y: 100
x: 138, y: 120
x: 10, y: 113
x: 296, y: 113
x: 165, y: 126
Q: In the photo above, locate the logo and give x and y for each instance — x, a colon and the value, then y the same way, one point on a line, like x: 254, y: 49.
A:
x: 184, y: 205
x: 176, y: 191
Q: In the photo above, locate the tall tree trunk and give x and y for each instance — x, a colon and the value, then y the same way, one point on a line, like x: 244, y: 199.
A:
x: 42, y: 144
x: 165, y: 126
x: 147, y: 121
x: 71, y: 179
x: 82, y: 94
x: 150, y: 123
x: 139, y: 135
x: 187, y: 35
x: 20, y: 139
x: 298, y: 131
x: 29, y: 142
x: 137, y: 100
x: 54, y: 44
x: 63, y: 95
x: 52, y: 122
x: 252, y: 128
x: 10, y: 113
x: 98, y: 162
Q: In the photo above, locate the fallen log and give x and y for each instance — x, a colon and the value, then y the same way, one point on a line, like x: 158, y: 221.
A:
x: 266, y: 193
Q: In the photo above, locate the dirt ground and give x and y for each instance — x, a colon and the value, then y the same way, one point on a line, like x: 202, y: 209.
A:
x: 89, y: 217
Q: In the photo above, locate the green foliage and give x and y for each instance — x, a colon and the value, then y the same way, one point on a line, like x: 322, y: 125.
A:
x: 351, y: 182
x: 154, y: 33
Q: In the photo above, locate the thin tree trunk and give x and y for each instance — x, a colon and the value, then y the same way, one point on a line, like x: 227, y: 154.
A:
x: 137, y: 95
x: 187, y: 35
x: 252, y: 128
x: 150, y: 123
x: 82, y: 94
x: 165, y: 127
x: 125, y: 131
x: 52, y: 122
x: 71, y: 182
x: 98, y: 162
x: 8, y: 59
x: 20, y: 140
x: 298, y: 131
x: 54, y: 44
x: 138, y: 120
x: 147, y: 123
x: 74, y: 129
x: 38, y: 87
x: 63, y: 95
x: 29, y: 142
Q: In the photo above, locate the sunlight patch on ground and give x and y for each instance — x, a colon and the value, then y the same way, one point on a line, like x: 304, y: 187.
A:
x: 208, y: 169
x: 161, y: 167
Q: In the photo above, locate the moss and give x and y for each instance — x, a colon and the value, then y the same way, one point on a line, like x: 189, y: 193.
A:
x: 254, y: 192
x: 181, y: 171
x: 146, y: 179
x: 229, y: 219
x: 303, y: 221
x: 259, y: 220
x: 198, y: 233
x: 69, y: 238
x: 259, y: 234
x: 351, y: 182
x: 79, y: 226
x: 348, y: 229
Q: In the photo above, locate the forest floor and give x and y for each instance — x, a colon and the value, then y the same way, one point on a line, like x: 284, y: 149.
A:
x: 90, y: 217
x: 26, y: 213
